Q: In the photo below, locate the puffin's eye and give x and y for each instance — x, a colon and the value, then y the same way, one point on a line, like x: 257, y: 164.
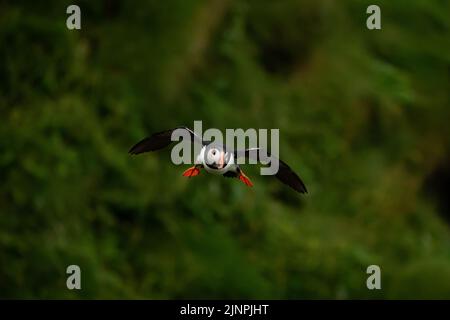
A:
x: 214, y: 152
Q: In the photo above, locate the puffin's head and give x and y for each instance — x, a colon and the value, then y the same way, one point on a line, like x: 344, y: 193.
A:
x: 216, y: 157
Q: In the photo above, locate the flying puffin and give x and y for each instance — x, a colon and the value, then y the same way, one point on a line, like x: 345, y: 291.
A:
x: 216, y: 159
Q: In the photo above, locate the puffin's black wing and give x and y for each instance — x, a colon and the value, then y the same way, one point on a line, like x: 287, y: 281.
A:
x: 160, y: 140
x: 285, y: 174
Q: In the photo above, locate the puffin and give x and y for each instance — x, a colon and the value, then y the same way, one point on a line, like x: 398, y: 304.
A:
x: 216, y: 159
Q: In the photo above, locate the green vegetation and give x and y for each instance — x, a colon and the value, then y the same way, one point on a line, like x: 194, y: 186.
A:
x: 363, y: 117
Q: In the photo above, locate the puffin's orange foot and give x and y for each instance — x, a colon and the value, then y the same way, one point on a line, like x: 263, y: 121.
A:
x: 245, y: 179
x: 191, y: 172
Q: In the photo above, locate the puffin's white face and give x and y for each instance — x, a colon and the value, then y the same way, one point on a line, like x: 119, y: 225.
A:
x: 216, y: 158
x: 213, y: 156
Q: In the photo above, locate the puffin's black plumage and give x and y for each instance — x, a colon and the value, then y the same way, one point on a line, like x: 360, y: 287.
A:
x: 162, y: 139
x: 285, y: 174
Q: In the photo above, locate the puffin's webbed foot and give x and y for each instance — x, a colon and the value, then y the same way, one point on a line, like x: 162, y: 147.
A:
x: 245, y: 179
x: 192, y: 172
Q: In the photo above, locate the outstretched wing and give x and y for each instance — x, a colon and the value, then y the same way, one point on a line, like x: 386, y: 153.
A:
x: 285, y: 174
x: 161, y: 140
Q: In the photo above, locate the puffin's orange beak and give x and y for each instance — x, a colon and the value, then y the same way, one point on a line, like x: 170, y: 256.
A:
x: 222, y: 160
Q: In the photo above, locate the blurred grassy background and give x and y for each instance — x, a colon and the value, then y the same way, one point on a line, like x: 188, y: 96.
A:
x: 363, y: 117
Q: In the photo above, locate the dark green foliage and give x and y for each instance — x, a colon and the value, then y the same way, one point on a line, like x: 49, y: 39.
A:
x: 363, y: 117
